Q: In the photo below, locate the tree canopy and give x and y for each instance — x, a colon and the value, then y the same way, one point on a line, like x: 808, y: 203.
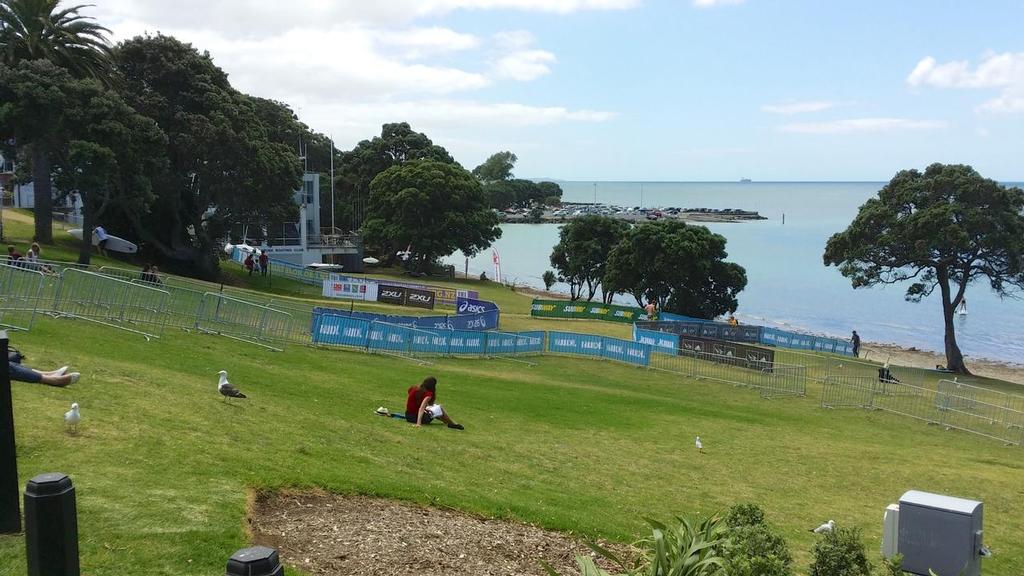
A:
x: 397, y: 144
x: 41, y: 30
x: 680, y: 268
x: 496, y: 168
x: 437, y: 207
x: 581, y: 254
x: 942, y: 228
x: 224, y: 164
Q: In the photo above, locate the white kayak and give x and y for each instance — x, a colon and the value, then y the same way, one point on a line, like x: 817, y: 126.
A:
x: 114, y: 244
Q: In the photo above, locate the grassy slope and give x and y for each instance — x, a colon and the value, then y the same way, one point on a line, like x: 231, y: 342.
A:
x: 162, y: 465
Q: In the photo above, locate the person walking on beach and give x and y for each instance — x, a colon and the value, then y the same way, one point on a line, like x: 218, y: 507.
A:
x: 264, y: 262
x: 856, y: 344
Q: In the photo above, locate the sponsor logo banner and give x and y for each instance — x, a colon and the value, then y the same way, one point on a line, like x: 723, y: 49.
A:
x: 586, y: 310
x: 464, y: 305
x: 599, y: 346
x: 351, y: 290
x: 391, y: 294
x: 485, y: 321
x: 662, y: 340
x: 419, y: 298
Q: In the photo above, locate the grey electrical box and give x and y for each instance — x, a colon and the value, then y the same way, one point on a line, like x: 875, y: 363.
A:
x: 940, y: 533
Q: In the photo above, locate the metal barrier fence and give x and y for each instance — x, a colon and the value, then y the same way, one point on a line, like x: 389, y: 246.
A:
x: 242, y: 320
x: 771, y: 379
x: 21, y: 296
x: 952, y: 405
x: 112, y: 302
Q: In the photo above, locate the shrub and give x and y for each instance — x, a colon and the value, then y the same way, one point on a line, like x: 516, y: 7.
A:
x: 754, y: 548
x: 744, y: 515
x: 549, y: 279
x: 840, y: 553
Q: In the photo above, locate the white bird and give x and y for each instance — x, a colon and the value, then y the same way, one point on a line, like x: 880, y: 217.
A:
x: 73, y: 417
x: 699, y: 445
x: 226, y: 389
x: 825, y: 528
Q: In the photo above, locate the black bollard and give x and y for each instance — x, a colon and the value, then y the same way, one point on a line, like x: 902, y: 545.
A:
x: 51, y: 526
x: 255, y: 561
x: 10, y: 510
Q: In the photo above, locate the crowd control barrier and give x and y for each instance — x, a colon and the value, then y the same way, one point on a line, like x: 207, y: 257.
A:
x: 599, y: 347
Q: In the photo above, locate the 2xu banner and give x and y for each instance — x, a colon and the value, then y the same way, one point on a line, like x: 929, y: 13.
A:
x: 404, y: 296
x: 586, y: 311
x: 335, y: 284
x: 600, y: 347
x: 732, y: 353
x: 711, y: 330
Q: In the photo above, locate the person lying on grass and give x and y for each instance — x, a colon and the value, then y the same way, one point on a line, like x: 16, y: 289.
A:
x: 421, y: 405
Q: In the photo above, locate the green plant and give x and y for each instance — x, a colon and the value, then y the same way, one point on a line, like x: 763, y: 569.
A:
x: 748, y: 514
x: 893, y: 566
x: 690, y: 549
x: 840, y: 553
x: 549, y: 279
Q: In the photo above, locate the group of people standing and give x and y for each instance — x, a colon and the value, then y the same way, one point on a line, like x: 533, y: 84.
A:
x: 259, y: 264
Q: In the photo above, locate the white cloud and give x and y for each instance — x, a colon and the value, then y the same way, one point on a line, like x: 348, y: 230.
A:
x: 862, y: 125
x: 713, y: 3
x: 791, y: 108
x: 268, y: 17
x: 519, y: 60
x: 423, y: 42
x: 995, y: 71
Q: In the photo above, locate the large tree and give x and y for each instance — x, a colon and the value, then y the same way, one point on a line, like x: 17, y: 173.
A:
x: 496, y: 168
x: 44, y: 30
x: 224, y: 166
x: 397, y: 144
x: 943, y: 228
x: 582, y: 253
x: 678, y: 267
x: 436, y: 207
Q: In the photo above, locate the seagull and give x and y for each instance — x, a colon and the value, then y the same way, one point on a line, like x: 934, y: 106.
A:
x: 699, y: 445
x: 226, y: 389
x: 72, y: 417
x: 825, y: 528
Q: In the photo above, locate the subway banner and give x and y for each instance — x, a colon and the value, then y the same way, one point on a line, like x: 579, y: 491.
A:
x: 732, y: 353
x: 586, y: 311
x: 599, y: 346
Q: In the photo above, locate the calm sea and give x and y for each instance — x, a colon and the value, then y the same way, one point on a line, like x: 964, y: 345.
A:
x: 787, y: 285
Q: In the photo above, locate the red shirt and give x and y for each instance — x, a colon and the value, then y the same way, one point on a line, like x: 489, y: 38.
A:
x: 412, y: 403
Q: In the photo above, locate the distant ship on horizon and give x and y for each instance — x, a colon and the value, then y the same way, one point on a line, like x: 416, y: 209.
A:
x: 745, y: 180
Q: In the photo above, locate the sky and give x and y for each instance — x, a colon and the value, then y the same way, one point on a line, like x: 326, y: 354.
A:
x: 656, y: 90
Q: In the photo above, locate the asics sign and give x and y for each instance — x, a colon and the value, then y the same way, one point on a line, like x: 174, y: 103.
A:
x: 472, y: 306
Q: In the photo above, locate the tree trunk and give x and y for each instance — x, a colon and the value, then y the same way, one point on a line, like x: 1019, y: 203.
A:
x: 43, y: 194
x: 954, y: 358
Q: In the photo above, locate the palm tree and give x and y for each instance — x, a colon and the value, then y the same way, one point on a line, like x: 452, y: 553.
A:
x: 42, y: 30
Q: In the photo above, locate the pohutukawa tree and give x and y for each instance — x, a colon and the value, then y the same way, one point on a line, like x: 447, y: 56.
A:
x: 941, y: 229
x: 43, y: 30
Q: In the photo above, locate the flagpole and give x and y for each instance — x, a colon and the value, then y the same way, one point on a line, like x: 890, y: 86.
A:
x: 332, y: 186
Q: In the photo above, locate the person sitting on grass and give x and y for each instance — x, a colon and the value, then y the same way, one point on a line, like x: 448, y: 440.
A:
x: 421, y: 405
x: 59, y: 377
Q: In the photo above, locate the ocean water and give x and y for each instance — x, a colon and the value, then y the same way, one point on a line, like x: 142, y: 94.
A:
x: 787, y: 283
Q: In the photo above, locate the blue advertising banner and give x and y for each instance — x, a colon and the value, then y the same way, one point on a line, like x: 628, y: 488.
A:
x: 530, y: 342
x: 626, y: 351
x: 339, y: 330
x: 662, y: 340
x: 572, y: 343
x: 464, y: 305
x: 482, y: 321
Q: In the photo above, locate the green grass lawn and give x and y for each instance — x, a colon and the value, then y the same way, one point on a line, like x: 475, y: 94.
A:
x: 163, y: 467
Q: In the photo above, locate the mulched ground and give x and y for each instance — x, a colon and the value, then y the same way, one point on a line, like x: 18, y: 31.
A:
x: 339, y: 535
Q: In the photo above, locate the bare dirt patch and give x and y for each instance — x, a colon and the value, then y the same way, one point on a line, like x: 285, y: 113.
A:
x: 324, y: 533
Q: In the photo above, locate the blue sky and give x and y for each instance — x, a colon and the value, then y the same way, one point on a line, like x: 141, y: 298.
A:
x: 633, y: 89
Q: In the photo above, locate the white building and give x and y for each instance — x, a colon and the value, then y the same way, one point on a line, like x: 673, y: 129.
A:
x: 307, y: 241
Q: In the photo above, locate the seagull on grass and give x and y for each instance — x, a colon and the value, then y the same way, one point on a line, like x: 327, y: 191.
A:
x: 699, y: 445
x: 226, y: 389
x: 825, y: 528
x: 72, y: 417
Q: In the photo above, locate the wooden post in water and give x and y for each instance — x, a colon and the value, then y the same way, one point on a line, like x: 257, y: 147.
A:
x: 10, y: 507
